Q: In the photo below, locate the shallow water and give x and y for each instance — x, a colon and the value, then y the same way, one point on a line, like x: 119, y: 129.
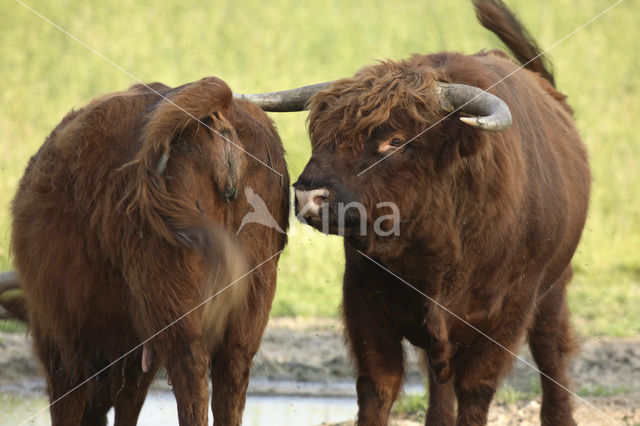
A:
x: 160, y: 409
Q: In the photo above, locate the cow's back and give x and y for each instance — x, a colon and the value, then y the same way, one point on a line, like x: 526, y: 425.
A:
x: 523, y: 207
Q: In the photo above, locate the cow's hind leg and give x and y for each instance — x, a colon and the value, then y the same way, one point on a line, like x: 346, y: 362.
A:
x: 231, y: 360
x: 99, y: 398
x: 477, y: 373
x: 480, y: 365
x: 552, y: 344
x: 181, y: 349
x: 230, y: 368
x: 231, y: 365
x: 96, y: 408
x: 132, y: 389
x: 176, y: 329
x: 186, y: 362
x: 67, y: 406
x: 378, y: 354
x: 67, y: 403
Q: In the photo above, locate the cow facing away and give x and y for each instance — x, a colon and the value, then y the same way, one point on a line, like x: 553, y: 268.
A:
x: 124, y: 222
x: 492, y: 191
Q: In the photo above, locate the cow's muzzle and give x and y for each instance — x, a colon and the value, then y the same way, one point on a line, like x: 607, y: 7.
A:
x: 308, y: 203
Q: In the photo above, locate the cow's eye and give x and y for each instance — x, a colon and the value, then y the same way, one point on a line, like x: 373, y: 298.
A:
x: 391, y: 144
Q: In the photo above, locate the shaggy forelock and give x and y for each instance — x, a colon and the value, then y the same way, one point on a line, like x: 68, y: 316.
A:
x: 385, y: 96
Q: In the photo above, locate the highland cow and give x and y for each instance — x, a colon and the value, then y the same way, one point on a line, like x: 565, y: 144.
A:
x: 124, y: 223
x: 491, y: 181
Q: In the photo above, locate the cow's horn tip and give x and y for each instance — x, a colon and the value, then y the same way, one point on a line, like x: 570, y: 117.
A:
x: 472, y: 121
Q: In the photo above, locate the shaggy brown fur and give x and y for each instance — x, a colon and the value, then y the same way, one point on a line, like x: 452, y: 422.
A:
x: 490, y: 222
x: 125, y: 221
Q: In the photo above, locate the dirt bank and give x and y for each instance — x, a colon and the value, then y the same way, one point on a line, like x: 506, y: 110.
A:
x: 307, y: 357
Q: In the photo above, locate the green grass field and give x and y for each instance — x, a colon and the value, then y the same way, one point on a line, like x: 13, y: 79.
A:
x: 261, y: 46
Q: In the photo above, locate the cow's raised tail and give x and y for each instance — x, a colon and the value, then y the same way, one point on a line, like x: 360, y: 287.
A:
x: 495, y: 16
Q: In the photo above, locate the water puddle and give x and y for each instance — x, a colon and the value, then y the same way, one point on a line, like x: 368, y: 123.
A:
x: 272, y: 403
x: 160, y: 409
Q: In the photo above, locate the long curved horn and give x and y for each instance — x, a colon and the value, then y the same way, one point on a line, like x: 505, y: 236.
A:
x: 286, y: 100
x: 491, y: 112
x: 9, y: 281
x: 12, y: 303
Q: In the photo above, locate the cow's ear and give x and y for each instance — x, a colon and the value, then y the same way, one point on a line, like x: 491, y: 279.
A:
x: 459, y: 140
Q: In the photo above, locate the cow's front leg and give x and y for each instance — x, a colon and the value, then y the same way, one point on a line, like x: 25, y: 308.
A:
x: 441, y: 407
x: 377, y: 352
x: 439, y: 349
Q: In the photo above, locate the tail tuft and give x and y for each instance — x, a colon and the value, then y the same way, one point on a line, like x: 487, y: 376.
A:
x: 225, y: 288
x: 495, y: 16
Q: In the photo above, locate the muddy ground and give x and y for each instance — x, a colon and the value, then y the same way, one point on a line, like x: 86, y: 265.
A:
x: 307, y: 357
